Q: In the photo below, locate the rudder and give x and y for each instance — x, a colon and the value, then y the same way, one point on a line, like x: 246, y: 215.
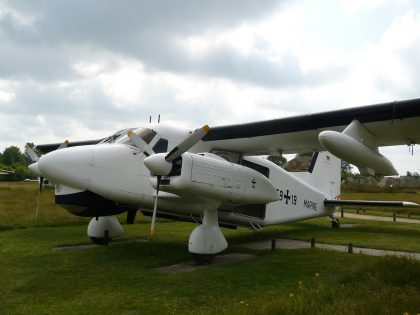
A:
x: 324, y: 173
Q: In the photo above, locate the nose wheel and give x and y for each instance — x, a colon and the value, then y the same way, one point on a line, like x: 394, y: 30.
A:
x: 102, y: 230
x: 335, y: 223
x: 206, y: 240
x: 203, y: 259
x: 102, y: 240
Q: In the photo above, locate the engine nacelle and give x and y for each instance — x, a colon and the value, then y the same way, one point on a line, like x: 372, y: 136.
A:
x: 208, y: 175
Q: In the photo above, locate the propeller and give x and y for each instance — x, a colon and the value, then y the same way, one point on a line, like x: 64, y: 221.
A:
x: 41, y: 181
x: 139, y: 143
x: 160, y: 164
x: 33, y: 155
x: 188, y: 143
x: 144, y: 147
x: 152, y: 226
x: 65, y: 144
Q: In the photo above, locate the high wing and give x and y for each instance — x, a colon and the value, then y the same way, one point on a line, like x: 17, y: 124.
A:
x: 394, y: 123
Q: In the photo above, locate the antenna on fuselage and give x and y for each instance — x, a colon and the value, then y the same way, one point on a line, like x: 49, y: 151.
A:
x: 159, y: 119
x: 150, y: 119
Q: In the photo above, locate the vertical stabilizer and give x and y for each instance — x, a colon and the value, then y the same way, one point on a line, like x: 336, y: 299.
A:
x: 324, y: 173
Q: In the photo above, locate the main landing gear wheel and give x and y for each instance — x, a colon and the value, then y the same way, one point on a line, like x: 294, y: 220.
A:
x: 335, y: 223
x: 203, y: 259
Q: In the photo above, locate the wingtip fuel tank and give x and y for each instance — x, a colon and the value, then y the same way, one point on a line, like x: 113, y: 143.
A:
x: 368, y: 160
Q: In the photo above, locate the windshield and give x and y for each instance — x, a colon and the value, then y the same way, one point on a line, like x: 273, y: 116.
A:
x: 121, y: 136
x: 113, y: 138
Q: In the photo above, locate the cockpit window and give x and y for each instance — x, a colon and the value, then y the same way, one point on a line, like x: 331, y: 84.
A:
x: 146, y: 134
x: 113, y: 138
x: 161, y: 146
x: 121, y: 136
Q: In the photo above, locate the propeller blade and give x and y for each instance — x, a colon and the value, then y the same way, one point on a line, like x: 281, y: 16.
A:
x: 139, y: 143
x: 152, y: 227
x: 188, y: 143
x: 131, y: 216
x: 31, y: 153
x: 65, y: 144
x: 41, y: 180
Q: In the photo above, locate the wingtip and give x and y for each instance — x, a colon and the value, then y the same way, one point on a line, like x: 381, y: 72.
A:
x: 206, y: 128
x: 129, y: 133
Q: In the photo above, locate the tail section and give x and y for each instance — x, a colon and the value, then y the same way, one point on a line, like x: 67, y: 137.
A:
x: 324, y: 173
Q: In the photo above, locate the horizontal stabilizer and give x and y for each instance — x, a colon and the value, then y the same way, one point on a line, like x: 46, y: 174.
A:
x: 370, y: 203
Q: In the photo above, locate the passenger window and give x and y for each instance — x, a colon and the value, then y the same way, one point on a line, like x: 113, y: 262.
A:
x: 259, y: 168
x: 161, y: 146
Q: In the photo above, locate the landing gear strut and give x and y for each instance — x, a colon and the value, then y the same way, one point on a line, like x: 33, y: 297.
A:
x: 206, y: 240
x: 335, y: 223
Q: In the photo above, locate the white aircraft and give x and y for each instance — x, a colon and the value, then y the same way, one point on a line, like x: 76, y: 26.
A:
x: 216, y: 177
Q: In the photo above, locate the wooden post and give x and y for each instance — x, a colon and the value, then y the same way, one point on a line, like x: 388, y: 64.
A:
x: 273, y: 244
x: 394, y: 217
x: 312, y: 242
x: 342, y: 212
x: 350, y: 248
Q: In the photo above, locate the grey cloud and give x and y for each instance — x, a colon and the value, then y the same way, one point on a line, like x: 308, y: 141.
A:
x: 40, y: 62
x: 115, y: 23
x: 88, y: 104
x: 225, y: 62
x: 148, y: 31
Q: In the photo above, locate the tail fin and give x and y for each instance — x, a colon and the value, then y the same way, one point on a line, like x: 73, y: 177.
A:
x: 324, y: 173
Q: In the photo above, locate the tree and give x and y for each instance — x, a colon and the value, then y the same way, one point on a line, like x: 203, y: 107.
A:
x: 12, y: 155
x: 345, y: 170
x: 14, y: 160
x: 280, y: 160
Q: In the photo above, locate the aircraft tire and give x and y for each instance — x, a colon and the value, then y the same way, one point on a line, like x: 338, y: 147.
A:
x: 203, y: 259
x: 100, y: 240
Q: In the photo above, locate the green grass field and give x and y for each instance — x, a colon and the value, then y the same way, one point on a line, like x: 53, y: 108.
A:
x: 120, y: 279
x: 412, y: 195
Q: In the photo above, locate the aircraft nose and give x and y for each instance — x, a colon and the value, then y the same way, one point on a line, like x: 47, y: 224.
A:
x: 70, y: 166
x: 35, y: 169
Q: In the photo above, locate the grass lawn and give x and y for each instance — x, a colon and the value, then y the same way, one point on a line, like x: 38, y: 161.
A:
x: 120, y: 279
x: 413, y: 196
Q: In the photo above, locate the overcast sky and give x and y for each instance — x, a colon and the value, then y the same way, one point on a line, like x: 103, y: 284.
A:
x: 82, y: 69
